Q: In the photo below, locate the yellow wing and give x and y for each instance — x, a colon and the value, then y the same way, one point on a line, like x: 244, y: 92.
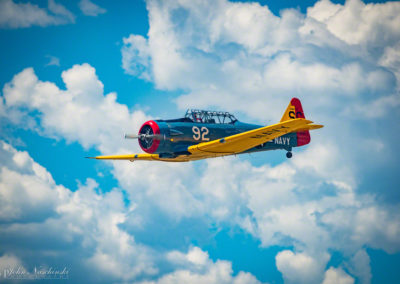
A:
x: 144, y: 157
x: 130, y: 157
x: 246, y: 140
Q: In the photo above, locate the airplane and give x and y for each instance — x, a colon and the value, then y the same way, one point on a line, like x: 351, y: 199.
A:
x: 202, y: 134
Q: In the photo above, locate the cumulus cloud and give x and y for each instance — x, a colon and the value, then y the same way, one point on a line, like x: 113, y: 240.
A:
x: 367, y: 225
x: 51, y: 216
x: 136, y: 56
x: 391, y: 59
x: 90, y: 9
x: 222, y: 57
x: 9, y: 261
x: 310, y: 202
x: 22, y: 15
x: 337, y: 276
x: 359, y: 265
x: 203, y: 270
x: 359, y: 23
x: 28, y: 190
x: 339, y: 59
x: 307, y: 203
x: 36, y: 210
x: 195, y: 256
x: 299, y: 267
x: 82, y: 230
x: 241, y: 51
x: 80, y: 113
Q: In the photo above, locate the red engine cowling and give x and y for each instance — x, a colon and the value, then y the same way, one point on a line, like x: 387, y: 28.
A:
x: 149, y: 144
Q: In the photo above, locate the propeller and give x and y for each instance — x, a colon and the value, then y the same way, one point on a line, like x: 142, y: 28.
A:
x: 144, y: 136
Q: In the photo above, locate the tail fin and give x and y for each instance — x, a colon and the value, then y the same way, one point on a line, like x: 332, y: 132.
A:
x: 295, y: 110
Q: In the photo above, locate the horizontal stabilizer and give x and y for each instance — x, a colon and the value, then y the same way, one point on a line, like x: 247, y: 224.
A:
x: 310, y: 127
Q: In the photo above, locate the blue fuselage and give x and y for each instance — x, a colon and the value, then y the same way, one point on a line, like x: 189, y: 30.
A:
x: 179, y: 135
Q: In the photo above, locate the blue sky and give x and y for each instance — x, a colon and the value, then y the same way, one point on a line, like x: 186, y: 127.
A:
x: 76, y: 75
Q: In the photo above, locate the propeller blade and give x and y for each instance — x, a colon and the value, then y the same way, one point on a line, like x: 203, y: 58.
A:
x: 144, y: 136
x: 133, y: 136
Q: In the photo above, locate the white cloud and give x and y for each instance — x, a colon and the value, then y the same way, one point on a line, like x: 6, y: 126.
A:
x: 358, y: 23
x: 236, y: 52
x: 375, y: 109
x: 391, y: 59
x: 337, y: 276
x: 80, y: 113
x: 205, y: 270
x: 284, y: 204
x: 90, y: 9
x: 369, y: 224
x: 360, y: 266
x: 53, y: 61
x: 9, y: 261
x: 240, y: 52
x: 162, y: 186
x: 28, y: 190
x: 83, y: 229
x: 43, y: 212
x: 23, y: 15
x: 136, y: 57
x: 379, y: 227
x: 60, y: 10
x: 275, y: 204
x: 299, y: 267
x: 239, y: 56
x: 194, y: 257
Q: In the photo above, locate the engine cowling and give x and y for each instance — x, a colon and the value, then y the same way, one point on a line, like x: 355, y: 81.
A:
x: 149, y: 144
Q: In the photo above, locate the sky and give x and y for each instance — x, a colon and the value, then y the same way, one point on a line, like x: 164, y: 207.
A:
x: 76, y: 75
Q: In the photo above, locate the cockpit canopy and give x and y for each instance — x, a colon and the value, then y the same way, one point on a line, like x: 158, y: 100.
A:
x: 205, y: 116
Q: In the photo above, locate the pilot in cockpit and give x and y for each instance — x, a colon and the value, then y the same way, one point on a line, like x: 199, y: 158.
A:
x: 197, y: 118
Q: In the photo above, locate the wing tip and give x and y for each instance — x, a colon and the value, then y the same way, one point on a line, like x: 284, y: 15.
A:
x: 317, y: 126
x: 90, y: 157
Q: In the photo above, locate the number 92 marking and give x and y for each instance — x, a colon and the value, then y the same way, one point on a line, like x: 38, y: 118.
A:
x: 200, y: 133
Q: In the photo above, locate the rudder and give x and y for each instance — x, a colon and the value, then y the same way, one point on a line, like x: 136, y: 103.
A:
x: 295, y: 110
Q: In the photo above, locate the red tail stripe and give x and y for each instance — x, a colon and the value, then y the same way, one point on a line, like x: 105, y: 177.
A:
x: 299, y: 109
x: 303, y: 137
